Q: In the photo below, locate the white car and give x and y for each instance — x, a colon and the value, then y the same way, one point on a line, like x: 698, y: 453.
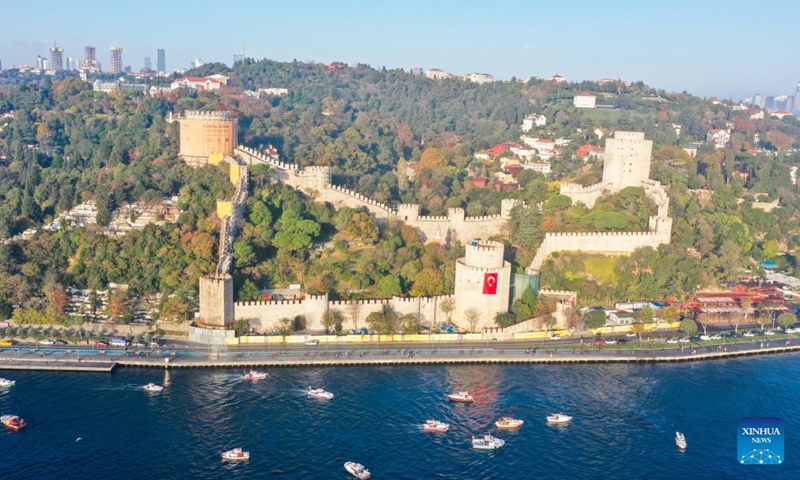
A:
x: 715, y: 337
x: 312, y: 343
x: 555, y: 337
x: 769, y: 332
x: 749, y: 334
x: 705, y: 337
x: 792, y: 330
x: 610, y: 342
x: 672, y: 340
x: 684, y: 340
x: 47, y: 342
x: 630, y: 334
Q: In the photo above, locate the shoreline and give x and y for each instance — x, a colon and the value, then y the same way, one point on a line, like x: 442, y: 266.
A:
x: 53, y: 362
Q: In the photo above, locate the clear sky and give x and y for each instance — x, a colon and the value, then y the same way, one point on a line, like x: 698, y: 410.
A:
x: 727, y: 48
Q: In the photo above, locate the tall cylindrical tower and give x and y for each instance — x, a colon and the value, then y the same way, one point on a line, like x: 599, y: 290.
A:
x: 206, y: 133
x: 483, y: 280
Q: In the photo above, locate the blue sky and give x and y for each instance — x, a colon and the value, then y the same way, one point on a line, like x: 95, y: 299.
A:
x: 708, y: 47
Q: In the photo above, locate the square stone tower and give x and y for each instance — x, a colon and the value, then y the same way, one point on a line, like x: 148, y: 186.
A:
x: 627, y: 160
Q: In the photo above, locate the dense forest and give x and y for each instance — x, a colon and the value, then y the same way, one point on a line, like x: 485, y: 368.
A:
x: 67, y: 144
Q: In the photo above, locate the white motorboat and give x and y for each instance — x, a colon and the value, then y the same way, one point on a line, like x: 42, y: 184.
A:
x: 461, y: 397
x: 357, y: 470
x: 255, y: 375
x: 487, y: 442
x: 508, y: 423
x: 236, y: 455
x: 435, y: 426
x: 680, y: 441
x: 152, y: 387
x: 319, y: 393
x: 4, y: 382
x: 558, y: 418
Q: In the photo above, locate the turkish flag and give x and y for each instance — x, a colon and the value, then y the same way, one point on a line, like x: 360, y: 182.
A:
x: 490, y: 283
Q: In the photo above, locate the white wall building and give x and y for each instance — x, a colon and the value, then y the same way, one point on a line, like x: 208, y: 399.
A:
x: 533, y: 120
x: 479, y: 78
x: 584, y: 100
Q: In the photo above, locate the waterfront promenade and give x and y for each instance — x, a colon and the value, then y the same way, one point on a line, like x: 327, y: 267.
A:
x: 77, y: 359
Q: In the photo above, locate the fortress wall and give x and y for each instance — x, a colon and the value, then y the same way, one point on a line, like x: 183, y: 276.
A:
x: 585, y: 195
x: 343, y: 197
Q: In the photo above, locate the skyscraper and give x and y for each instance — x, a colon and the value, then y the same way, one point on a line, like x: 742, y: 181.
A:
x: 56, y: 58
x: 161, y: 60
x: 147, y: 64
x: 39, y: 62
x: 797, y: 98
x: 116, y: 59
x: 90, y: 59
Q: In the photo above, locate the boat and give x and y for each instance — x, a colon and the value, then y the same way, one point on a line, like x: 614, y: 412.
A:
x: 680, y: 441
x: 4, y: 382
x: 255, y: 375
x: 357, y: 470
x: 508, y: 423
x: 558, y: 418
x: 461, y: 397
x: 13, y: 422
x: 435, y: 426
x: 236, y: 455
x: 319, y: 393
x: 152, y: 387
x: 487, y: 442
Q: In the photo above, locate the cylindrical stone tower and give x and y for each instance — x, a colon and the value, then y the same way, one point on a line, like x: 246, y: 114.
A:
x: 483, y: 282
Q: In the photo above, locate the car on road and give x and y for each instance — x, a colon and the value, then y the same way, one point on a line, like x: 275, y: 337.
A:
x: 600, y: 342
x: 47, y: 342
x: 705, y: 337
x: 622, y: 340
x: 138, y: 344
x: 312, y: 343
x: 611, y: 342
x: 672, y: 340
x: 100, y: 344
x: 684, y: 340
x: 630, y: 334
x: 715, y: 337
x: 749, y: 334
x: 59, y: 342
x: 555, y: 337
x: 769, y: 332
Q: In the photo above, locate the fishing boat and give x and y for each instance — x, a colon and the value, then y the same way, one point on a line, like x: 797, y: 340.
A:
x: 508, y: 423
x: 357, y: 470
x: 4, y: 382
x: 13, y: 422
x: 680, y: 441
x: 236, y: 455
x: 255, y: 375
x: 319, y: 393
x: 558, y: 418
x: 487, y: 442
x: 435, y: 426
x: 152, y: 387
x: 461, y: 397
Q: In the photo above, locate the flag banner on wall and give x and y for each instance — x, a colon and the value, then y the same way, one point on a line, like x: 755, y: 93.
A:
x: 490, y: 283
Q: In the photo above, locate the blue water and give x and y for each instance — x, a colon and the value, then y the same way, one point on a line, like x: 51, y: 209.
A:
x: 625, y: 419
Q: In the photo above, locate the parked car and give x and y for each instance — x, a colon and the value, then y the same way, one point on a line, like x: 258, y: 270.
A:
x: 630, y: 334
x: 684, y: 340
x: 749, y: 334
x: 47, y: 342
x: 138, y: 344
x: 59, y: 342
x: 611, y: 342
x: 312, y: 343
x: 705, y: 337
x: 622, y: 340
x: 769, y: 332
x: 715, y: 337
x: 673, y: 340
x: 600, y: 341
x: 100, y: 344
x: 555, y: 337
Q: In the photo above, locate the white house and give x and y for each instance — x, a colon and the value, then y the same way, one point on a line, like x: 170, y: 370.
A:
x: 584, y: 100
x: 197, y: 83
x: 759, y: 115
x: 719, y: 138
x: 533, y: 120
x: 479, y: 78
x: 542, y: 167
x: 523, y: 152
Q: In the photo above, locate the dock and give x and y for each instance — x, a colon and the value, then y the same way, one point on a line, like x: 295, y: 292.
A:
x: 56, y: 365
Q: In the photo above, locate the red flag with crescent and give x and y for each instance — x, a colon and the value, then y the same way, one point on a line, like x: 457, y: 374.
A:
x: 490, y: 283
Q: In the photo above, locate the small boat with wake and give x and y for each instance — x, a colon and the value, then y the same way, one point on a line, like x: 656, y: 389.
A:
x: 236, y: 455
x: 152, y: 387
x: 13, y: 422
x: 4, y: 382
x: 255, y: 375
x: 435, y: 426
x: 558, y: 419
x: 319, y: 393
x: 487, y: 442
x: 680, y: 441
x: 357, y: 470
x: 508, y: 423
x: 460, y: 397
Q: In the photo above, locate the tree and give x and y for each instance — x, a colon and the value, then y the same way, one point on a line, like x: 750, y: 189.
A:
x: 670, y: 313
x: 433, y: 158
x: 594, y: 319
x: 241, y: 326
x: 95, y: 302
x: 118, y: 305
x: 504, y: 319
x: 447, y: 306
x: 638, y: 329
x: 770, y: 249
x: 332, y: 320
x: 354, y: 309
x: 472, y: 317
x: 243, y: 254
x: 688, y: 326
x: 746, y: 304
x: 410, y: 324
x: 786, y: 320
x: 389, y: 286
x: 645, y: 315
x: 285, y: 326
x: 57, y: 300
x: 383, y: 321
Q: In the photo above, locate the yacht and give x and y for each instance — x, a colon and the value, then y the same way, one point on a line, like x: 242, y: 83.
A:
x: 461, y: 397
x: 357, y: 470
x: 508, y: 423
x: 435, y: 426
x: 4, y: 382
x: 255, y: 375
x: 680, y: 441
x: 13, y: 422
x: 152, y: 387
x: 487, y: 442
x: 236, y: 455
x: 558, y: 418
x: 319, y: 393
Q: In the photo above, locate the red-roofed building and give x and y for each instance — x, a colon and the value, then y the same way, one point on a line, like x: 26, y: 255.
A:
x: 590, y: 151
x: 477, y: 182
x: 198, y: 83
x: 514, y: 170
x: 499, y: 186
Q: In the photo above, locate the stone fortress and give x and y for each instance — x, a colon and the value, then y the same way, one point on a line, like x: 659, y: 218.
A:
x: 485, y: 284
x: 206, y: 133
x: 626, y: 164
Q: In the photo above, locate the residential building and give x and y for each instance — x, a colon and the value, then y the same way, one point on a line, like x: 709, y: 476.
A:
x: 557, y: 78
x: 717, y: 137
x: 756, y: 114
x: 116, y: 60
x: 541, y: 167
x: 533, y: 120
x: 436, y: 74
x: 479, y: 78
x: 692, y: 151
x: 161, y: 60
x: 210, y: 83
x: 584, y: 100
x: 779, y: 114
x: 620, y: 317
x: 590, y: 151
x: 677, y: 127
x: 56, y: 58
